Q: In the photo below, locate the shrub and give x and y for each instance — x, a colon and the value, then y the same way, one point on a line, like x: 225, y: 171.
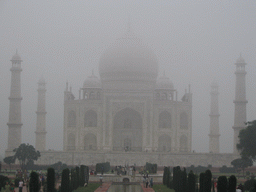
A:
x: 104, y: 166
x: 191, y: 182
x: 177, y: 179
x: 77, y: 177
x: 50, y: 180
x: 232, y: 183
x: 73, y: 178
x: 222, y: 184
x: 208, y: 181
x: 3, y: 180
x: 249, y: 184
x: 65, y: 180
x: 34, y: 185
x: 87, y: 174
x: 164, y: 176
x: 151, y: 168
x: 201, y: 181
x: 183, y: 180
x: 225, y: 169
x: 82, y: 175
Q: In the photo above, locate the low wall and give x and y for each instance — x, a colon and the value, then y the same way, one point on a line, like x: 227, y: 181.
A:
x: 137, y: 158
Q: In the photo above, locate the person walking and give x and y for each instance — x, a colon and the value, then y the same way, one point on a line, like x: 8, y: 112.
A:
x: 7, y: 187
x: 20, y: 186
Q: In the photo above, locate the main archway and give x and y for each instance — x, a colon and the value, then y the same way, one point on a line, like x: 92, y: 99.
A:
x: 127, y: 126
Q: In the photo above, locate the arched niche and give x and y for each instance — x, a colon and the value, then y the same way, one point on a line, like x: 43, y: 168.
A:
x: 183, y: 120
x: 164, y: 143
x: 90, y: 119
x: 127, y: 124
x: 71, y: 142
x: 165, y: 120
x: 71, y: 118
x: 90, y: 142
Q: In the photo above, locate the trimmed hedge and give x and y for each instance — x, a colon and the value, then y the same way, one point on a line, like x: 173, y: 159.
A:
x: 65, y: 181
x: 104, y: 166
x: 191, y: 182
x: 34, y: 185
x: 151, y: 168
x: 222, y: 184
x: 50, y: 180
x: 232, y: 183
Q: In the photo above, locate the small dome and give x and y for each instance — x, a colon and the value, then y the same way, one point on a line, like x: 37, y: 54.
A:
x: 240, y: 59
x: 16, y: 56
x: 164, y: 83
x: 92, y: 82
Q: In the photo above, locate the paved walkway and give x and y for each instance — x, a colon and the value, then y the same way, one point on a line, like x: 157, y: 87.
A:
x: 146, y: 189
x: 103, y: 188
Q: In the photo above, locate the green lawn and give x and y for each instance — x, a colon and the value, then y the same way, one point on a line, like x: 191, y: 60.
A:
x: 90, y: 188
x: 162, y: 188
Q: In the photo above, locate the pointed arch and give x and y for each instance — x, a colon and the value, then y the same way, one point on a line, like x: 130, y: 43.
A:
x: 183, y: 143
x: 98, y: 95
x: 90, y: 142
x: 71, y: 118
x: 127, y: 144
x: 127, y: 122
x: 165, y: 120
x: 164, y: 143
x: 183, y: 120
x: 90, y: 118
x: 71, y: 142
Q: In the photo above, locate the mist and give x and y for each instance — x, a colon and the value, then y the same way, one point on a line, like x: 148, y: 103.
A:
x: 196, y: 42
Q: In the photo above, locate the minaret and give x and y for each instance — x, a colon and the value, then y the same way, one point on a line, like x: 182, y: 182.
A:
x: 41, y: 113
x: 240, y: 100
x: 14, y: 124
x: 214, y: 120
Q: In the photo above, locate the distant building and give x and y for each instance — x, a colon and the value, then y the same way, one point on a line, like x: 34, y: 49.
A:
x: 129, y: 115
x: 129, y: 108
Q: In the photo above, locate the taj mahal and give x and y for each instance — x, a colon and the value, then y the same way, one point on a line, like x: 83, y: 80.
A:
x: 130, y: 114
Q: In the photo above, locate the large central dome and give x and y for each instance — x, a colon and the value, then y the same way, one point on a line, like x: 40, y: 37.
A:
x: 128, y: 64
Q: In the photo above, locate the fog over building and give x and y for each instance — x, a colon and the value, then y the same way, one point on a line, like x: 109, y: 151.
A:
x: 131, y: 114
x: 195, y: 42
x: 130, y: 107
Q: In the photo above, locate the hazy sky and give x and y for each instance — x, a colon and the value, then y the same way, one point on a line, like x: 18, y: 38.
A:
x: 196, y: 42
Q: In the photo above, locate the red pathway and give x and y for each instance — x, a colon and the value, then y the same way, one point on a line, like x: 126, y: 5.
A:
x: 146, y: 189
x: 103, y: 188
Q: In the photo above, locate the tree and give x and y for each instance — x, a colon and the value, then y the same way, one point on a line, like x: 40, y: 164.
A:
x: 77, y: 177
x: 50, y: 180
x: 222, y: 184
x: 34, y: 182
x: 65, y: 181
x: 9, y: 160
x: 207, y: 181
x: 191, y: 182
x: 73, y: 179
x: 232, y: 183
x: 82, y: 175
x: 183, y: 180
x: 247, y: 141
x: 25, y: 153
x: 201, y: 181
x: 242, y: 163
